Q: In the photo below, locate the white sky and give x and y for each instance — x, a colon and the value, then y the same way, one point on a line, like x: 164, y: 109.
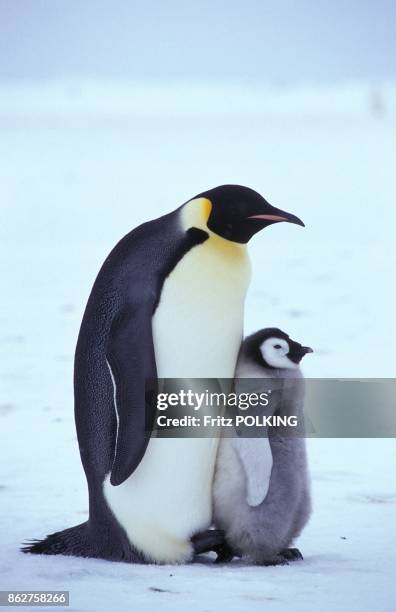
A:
x: 260, y: 40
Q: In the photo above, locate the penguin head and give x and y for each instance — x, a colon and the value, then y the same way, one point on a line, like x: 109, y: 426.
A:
x: 236, y: 213
x: 272, y: 348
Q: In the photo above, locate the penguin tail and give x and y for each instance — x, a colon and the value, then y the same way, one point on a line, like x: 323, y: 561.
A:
x: 71, y: 541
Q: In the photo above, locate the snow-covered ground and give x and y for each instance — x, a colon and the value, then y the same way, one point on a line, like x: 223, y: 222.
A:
x: 83, y: 163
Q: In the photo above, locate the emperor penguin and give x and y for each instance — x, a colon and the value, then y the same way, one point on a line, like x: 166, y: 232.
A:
x: 168, y: 302
x: 261, y: 492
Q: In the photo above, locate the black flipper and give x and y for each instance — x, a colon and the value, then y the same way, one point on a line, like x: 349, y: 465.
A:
x: 131, y: 358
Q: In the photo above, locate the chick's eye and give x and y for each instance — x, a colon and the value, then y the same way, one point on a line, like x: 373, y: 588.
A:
x: 277, y: 346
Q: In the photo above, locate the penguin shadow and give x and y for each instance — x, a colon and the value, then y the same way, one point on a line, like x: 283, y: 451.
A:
x: 215, y: 560
x: 210, y: 559
x: 204, y: 559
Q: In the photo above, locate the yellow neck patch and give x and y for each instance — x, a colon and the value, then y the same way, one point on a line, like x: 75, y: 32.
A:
x: 196, y: 214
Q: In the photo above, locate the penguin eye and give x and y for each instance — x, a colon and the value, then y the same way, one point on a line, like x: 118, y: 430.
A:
x: 277, y: 346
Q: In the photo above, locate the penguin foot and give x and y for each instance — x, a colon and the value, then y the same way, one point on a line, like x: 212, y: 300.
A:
x: 207, y: 540
x: 225, y: 554
x: 284, y: 557
x: 292, y: 554
x: 272, y: 562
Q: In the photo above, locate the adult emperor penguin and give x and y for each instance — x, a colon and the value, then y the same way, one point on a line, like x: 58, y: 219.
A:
x: 261, y: 486
x: 167, y: 302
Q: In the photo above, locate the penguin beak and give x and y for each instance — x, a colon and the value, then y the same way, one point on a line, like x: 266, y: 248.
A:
x: 297, y: 351
x: 275, y: 215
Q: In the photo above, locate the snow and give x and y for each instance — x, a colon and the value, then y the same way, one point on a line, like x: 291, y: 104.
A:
x: 84, y: 162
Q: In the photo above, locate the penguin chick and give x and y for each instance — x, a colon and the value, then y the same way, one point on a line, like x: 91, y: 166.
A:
x: 261, y: 496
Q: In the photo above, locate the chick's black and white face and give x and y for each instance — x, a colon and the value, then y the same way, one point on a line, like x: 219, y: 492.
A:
x: 275, y: 353
x: 282, y: 352
x: 273, y: 348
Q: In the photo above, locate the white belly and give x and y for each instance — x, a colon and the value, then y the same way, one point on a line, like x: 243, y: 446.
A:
x: 197, y: 330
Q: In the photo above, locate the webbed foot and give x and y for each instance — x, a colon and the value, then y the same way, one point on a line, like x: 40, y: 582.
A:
x: 225, y: 554
x: 284, y: 557
x: 208, y: 540
x: 292, y: 554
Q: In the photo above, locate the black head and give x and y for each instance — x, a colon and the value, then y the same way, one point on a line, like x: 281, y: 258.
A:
x: 272, y: 348
x: 238, y: 212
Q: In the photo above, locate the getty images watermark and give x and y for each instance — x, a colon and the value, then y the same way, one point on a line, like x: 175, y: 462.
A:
x: 208, y: 400
x: 328, y: 408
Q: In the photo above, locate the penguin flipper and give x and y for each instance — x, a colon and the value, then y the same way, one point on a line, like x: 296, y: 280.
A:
x: 256, y: 458
x: 131, y: 360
